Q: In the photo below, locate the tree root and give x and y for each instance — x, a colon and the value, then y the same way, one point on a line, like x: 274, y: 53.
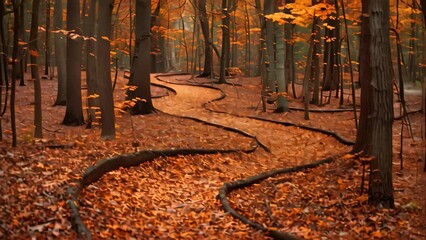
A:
x: 94, y: 173
x: 243, y: 183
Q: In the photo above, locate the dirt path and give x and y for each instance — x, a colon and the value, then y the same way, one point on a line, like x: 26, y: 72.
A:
x: 285, y: 142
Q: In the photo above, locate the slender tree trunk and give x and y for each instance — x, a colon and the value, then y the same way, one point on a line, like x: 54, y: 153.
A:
x: 74, y: 112
x: 248, y: 42
x: 423, y: 4
x: 60, y: 55
x: 204, y: 22
x: 156, y: 36
x: 104, y: 69
x: 47, y: 40
x: 15, y: 65
x: 34, y: 54
x: 22, y: 53
x: 315, y: 63
x: 270, y: 47
x: 331, y: 49
x: 280, y: 69
x: 91, y: 78
x: 140, y: 73
x: 4, y: 76
x: 225, y: 41
x: 290, y: 69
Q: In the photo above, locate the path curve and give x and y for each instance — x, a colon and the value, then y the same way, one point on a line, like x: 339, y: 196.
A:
x: 189, y: 101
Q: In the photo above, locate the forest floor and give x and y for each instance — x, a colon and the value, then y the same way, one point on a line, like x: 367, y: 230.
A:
x: 175, y: 197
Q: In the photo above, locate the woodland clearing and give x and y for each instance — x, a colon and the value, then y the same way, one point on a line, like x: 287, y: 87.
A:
x: 175, y: 197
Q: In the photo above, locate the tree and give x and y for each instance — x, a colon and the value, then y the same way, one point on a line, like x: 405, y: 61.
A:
x: 140, y: 72
x: 74, y: 111
x: 92, y: 88
x: 47, y: 40
x: 281, y: 81
x: 423, y: 4
x: 60, y: 55
x: 376, y: 100
x: 17, y: 24
x: 38, y: 133
x: 4, y: 81
x: 224, y: 63
x: 104, y: 69
x: 208, y: 53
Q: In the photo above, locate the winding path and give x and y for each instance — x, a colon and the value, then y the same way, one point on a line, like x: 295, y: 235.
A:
x: 288, y: 145
x: 285, y: 142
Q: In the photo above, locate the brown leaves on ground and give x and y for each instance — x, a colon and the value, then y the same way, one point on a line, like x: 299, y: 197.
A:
x: 176, y: 197
x: 325, y: 203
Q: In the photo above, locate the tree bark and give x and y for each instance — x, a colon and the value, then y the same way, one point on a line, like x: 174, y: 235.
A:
x: 91, y: 78
x: 74, y: 112
x: 47, y: 40
x: 104, y: 69
x: 208, y: 53
x: 364, y: 131
x: 60, y: 55
x: 282, y: 104
x: 17, y: 24
x: 140, y: 73
x: 34, y: 54
x: 225, y: 41
x: 381, y: 117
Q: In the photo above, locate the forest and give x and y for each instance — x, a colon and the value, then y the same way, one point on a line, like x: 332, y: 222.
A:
x: 203, y: 119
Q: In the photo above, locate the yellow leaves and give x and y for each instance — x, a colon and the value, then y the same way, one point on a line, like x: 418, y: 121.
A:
x: 105, y: 38
x: 92, y: 96
x: 130, y: 88
x: 280, y: 17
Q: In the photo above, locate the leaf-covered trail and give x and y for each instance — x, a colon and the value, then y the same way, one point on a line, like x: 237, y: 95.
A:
x: 176, y: 197
x: 285, y: 142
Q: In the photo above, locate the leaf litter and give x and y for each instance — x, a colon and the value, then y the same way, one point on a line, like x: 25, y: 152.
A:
x: 176, y: 197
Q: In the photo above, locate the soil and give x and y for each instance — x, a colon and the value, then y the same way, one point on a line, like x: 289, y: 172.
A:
x: 175, y: 197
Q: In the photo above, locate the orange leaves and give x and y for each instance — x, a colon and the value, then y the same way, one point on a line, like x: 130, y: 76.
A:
x: 279, y: 17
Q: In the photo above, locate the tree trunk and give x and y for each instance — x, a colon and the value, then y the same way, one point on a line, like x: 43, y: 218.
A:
x: 91, y: 78
x: 248, y: 41
x: 364, y: 130
x: 225, y: 41
x: 74, y: 112
x: 331, y: 49
x: 15, y: 65
x: 381, y: 118
x: 60, y: 55
x: 22, y: 50
x: 140, y: 73
x: 4, y: 81
x: 34, y: 54
x: 104, y: 69
x: 204, y: 22
x: 155, y: 41
x: 270, y: 46
x: 315, y: 63
x: 47, y: 40
x: 423, y: 3
x: 280, y: 69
